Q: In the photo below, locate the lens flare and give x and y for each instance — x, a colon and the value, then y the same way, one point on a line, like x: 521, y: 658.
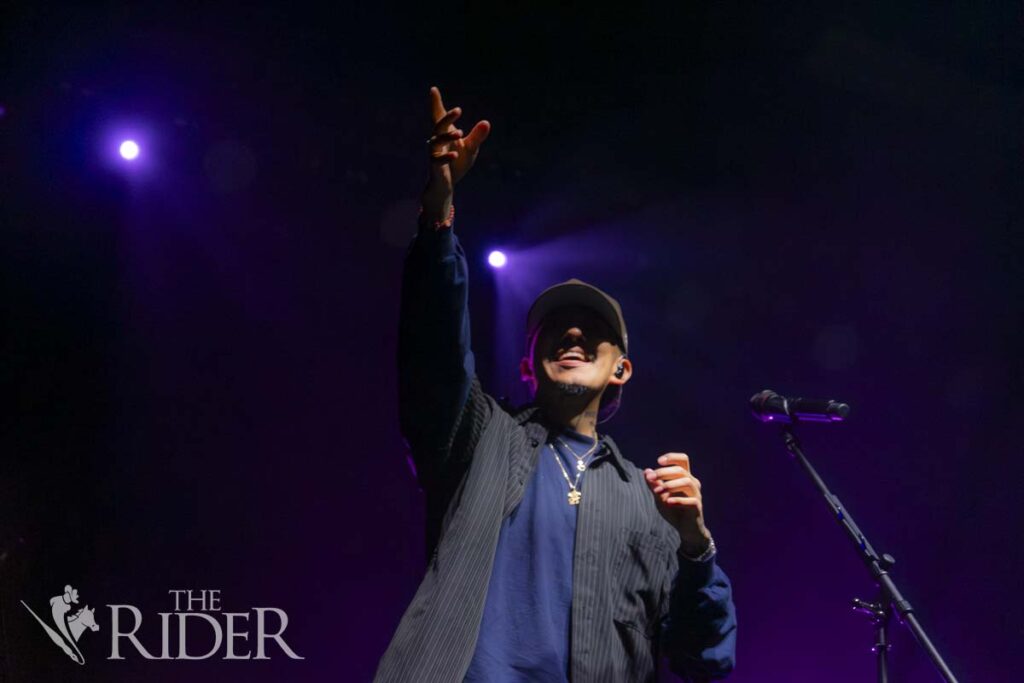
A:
x: 129, y: 150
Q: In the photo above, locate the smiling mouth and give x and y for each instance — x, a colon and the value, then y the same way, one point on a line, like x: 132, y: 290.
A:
x: 572, y: 358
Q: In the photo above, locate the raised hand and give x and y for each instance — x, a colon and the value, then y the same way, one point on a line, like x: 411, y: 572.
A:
x: 679, y: 500
x: 452, y: 154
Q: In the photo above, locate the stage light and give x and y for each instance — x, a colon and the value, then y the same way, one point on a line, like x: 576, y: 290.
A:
x: 497, y: 259
x: 129, y: 150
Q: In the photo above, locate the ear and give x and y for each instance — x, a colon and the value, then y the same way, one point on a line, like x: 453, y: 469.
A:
x: 627, y: 371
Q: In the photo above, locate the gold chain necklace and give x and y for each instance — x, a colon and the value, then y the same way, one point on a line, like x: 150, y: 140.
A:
x: 581, y: 465
x: 574, y: 493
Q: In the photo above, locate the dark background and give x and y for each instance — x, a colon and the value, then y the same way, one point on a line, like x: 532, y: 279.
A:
x: 823, y: 199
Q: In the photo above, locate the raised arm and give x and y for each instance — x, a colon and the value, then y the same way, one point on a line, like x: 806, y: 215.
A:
x: 435, y: 361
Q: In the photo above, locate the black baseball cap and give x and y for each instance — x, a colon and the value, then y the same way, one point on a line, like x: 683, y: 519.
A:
x: 578, y: 293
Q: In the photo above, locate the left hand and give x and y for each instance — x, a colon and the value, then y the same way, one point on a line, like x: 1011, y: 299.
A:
x: 679, y: 500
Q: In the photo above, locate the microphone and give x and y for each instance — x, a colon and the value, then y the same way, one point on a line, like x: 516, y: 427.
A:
x: 768, y: 406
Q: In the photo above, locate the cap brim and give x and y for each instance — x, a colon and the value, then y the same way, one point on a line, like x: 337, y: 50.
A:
x: 564, y: 295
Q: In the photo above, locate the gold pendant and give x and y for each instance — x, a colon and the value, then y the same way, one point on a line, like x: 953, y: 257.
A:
x: 581, y: 466
x: 574, y: 497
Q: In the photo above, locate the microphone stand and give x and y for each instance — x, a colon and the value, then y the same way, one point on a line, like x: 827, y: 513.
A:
x: 879, y: 565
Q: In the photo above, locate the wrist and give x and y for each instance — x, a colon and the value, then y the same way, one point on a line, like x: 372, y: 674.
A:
x: 695, y: 546
x: 703, y: 556
x: 436, y: 205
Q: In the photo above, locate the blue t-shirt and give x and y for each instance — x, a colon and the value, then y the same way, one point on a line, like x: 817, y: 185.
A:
x: 525, y: 629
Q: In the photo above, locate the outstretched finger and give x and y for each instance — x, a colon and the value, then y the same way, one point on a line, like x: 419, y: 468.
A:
x: 477, y: 136
x: 437, y: 110
x: 442, y: 138
x: 447, y: 120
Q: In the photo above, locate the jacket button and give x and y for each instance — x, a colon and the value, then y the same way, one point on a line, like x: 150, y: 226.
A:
x: 534, y: 442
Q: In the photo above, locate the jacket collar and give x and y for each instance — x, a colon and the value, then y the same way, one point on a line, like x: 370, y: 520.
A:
x: 532, y: 413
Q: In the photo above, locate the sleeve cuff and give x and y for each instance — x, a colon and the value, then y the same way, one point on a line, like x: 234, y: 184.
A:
x: 696, y: 573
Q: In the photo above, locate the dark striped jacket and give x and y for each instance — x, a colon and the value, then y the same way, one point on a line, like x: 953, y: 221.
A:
x: 634, y: 598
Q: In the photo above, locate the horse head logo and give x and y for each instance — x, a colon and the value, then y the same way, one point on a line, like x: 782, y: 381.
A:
x: 69, y: 628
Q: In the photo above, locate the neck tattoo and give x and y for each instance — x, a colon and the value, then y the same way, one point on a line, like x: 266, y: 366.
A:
x: 567, y: 389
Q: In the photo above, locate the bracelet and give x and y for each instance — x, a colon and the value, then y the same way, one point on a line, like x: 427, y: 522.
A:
x: 446, y: 223
x: 707, y: 554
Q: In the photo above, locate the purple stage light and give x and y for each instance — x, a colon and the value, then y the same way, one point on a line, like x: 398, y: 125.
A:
x: 497, y: 259
x: 129, y: 150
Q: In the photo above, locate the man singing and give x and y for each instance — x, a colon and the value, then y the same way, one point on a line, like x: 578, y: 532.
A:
x: 552, y: 557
